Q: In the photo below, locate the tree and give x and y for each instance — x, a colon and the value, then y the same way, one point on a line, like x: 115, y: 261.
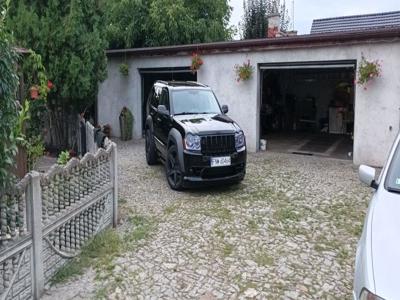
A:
x: 69, y: 36
x: 8, y: 109
x: 255, y: 20
x: 137, y: 23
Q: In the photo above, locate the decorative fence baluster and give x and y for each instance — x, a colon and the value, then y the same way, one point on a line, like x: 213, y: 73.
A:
x: 13, y: 216
x: 3, y: 217
x: 21, y: 215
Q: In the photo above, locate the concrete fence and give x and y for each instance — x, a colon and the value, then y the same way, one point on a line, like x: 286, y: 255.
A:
x: 46, y: 219
x: 91, y: 138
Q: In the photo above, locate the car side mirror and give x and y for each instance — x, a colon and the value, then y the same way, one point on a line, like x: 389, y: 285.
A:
x: 367, y: 176
x: 225, y: 109
x: 162, y: 110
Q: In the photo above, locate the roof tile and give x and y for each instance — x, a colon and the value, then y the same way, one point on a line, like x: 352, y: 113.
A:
x: 356, y: 23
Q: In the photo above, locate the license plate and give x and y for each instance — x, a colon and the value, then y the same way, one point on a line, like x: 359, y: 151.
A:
x: 220, y: 161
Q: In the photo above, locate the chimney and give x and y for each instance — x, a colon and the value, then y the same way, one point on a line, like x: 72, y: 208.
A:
x: 274, y: 21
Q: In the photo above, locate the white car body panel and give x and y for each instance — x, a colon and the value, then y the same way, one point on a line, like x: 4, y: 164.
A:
x: 378, y: 252
x: 386, y: 244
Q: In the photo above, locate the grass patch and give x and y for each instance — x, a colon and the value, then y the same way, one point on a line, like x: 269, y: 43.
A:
x: 142, y: 227
x: 122, y: 200
x: 98, y: 252
x: 252, y: 224
x: 227, y: 249
x: 219, y: 233
x: 285, y: 214
x: 325, y: 244
x: 217, y: 212
x: 343, y: 256
x: 263, y: 259
x: 170, y: 209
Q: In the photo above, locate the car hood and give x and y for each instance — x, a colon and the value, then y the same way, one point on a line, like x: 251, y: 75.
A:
x: 207, y: 123
x: 385, y: 239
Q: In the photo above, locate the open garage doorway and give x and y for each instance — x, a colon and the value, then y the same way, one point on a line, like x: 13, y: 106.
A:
x: 149, y: 76
x: 308, y: 108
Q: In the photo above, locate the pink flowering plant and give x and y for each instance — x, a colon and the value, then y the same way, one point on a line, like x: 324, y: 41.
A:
x: 244, y: 71
x: 368, y: 70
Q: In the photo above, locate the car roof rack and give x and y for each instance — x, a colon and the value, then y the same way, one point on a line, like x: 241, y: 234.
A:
x: 182, y: 83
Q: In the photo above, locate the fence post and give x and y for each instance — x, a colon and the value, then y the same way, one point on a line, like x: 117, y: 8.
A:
x: 114, y: 178
x: 34, y: 206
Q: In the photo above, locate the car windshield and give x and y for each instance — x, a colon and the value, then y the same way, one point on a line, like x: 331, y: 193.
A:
x: 194, y: 101
x: 392, y: 182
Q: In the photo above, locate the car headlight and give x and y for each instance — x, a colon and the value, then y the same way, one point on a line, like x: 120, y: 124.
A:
x: 240, y: 140
x: 367, y: 295
x: 193, y: 142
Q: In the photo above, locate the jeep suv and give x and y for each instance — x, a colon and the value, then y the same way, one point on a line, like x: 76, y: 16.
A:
x: 191, y: 134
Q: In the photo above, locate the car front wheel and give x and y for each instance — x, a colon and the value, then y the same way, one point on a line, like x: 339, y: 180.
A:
x: 173, y: 169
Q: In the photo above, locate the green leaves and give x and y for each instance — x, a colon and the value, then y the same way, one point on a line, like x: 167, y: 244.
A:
x: 138, y: 23
x: 69, y: 36
x: 8, y: 109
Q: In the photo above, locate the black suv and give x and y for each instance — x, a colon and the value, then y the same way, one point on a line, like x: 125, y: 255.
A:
x: 191, y: 134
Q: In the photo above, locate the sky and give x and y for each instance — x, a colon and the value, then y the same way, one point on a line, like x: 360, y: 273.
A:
x: 307, y: 10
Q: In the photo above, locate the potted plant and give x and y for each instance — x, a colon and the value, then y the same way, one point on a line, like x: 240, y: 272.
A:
x: 244, y: 71
x: 367, y: 71
x: 197, y: 62
x: 124, y: 69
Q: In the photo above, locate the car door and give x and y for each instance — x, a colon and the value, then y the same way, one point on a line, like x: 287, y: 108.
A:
x: 152, y: 105
x: 165, y: 119
x: 156, y: 116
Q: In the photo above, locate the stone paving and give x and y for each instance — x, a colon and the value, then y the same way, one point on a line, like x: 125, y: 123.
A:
x: 289, y: 231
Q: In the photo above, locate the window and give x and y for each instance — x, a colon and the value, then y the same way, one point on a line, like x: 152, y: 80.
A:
x: 392, y: 182
x: 195, y: 102
x: 164, y: 100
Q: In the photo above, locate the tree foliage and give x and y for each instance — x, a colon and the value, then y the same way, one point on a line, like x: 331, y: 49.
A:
x: 69, y: 36
x: 8, y: 109
x: 255, y: 20
x: 141, y: 23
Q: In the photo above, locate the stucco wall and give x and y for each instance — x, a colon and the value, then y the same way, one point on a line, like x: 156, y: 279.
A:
x: 377, y: 109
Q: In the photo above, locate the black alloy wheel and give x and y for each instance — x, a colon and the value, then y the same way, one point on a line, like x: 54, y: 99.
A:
x: 151, y: 154
x: 173, y: 169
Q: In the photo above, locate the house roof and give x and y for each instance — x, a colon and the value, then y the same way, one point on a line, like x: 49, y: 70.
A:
x: 356, y: 23
x: 299, y: 41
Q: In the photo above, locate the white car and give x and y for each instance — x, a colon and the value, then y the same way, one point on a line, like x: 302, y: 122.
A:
x: 377, y: 269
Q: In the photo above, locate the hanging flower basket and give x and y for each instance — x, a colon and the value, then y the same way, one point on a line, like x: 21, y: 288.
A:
x: 34, y: 90
x: 197, y: 62
x: 124, y: 69
x: 367, y: 71
x: 244, y: 71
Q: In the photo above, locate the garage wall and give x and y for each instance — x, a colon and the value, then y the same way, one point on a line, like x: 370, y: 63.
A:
x: 377, y: 109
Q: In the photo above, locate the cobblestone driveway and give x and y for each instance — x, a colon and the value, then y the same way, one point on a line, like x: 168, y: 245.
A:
x: 288, y: 231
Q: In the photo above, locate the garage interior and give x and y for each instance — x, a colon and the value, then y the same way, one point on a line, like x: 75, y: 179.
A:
x: 150, y: 76
x: 308, y: 109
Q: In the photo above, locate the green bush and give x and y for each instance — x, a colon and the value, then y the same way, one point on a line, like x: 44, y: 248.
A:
x: 63, y: 158
x: 8, y: 108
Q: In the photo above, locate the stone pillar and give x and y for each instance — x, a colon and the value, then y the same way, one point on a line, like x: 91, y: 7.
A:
x: 34, y: 207
x: 114, y: 180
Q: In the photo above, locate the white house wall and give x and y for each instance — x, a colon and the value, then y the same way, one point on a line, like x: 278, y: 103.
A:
x: 377, y: 109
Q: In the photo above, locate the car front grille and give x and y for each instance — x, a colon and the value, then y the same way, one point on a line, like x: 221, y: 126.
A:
x: 218, y: 144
